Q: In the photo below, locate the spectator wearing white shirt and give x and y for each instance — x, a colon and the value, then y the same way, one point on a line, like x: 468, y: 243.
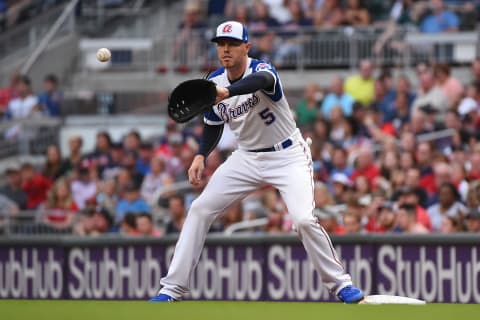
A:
x: 155, y: 179
x: 279, y: 10
x: 84, y: 188
x: 25, y: 104
x: 448, y: 206
x: 430, y: 94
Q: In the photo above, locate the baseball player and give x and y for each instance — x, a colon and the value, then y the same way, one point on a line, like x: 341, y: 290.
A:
x: 271, y: 150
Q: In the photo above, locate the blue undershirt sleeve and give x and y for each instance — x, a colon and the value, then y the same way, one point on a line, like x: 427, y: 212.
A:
x: 262, y: 80
x: 210, y: 138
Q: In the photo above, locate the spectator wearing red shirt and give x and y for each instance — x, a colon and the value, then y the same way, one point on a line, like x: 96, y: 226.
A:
x: 386, y: 219
x: 410, y: 197
x: 412, y: 181
x: 366, y: 167
x: 34, y: 185
x: 145, y: 225
x: 171, y: 151
x: 474, y: 172
x: 60, y: 208
x: 352, y: 222
x: 371, y: 212
x: 407, y: 220
x: 8, y: 93
x: 128, y: 225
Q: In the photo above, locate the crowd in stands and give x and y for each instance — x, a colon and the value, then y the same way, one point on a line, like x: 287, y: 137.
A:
x: 275, y: 25
x: 380, y: 152
x: 259, y: 15
x: 17, y: 100
x: 387, y: 157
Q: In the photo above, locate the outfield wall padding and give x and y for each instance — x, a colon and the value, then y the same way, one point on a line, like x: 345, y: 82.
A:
x: 241, y: 267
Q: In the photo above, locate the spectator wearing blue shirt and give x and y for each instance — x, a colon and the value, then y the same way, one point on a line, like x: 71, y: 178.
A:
x: 131, y: 202
x: 384, y: 100
x: 404, y: 86
x: 50, y: 99
x: 339, y: 166
x: 401, y: 111
x: 336, y: 97
x: 440, y: 20
x: 262, y: 21
x: 145, y: 156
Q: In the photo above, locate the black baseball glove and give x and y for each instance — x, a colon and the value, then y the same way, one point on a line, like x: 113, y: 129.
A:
x: 191, y: 98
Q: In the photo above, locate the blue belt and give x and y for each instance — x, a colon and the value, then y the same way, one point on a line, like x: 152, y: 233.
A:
x: 284, y: 145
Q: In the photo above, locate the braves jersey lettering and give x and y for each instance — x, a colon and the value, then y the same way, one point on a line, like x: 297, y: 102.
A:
x: 232, y: 113
x: 252, y: 126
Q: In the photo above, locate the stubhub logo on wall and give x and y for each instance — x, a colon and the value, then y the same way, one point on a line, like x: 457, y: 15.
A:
x: 279, y: 272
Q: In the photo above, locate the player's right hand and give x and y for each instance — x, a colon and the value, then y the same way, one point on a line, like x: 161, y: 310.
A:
x: 222, y: 94
x: 196, y: 170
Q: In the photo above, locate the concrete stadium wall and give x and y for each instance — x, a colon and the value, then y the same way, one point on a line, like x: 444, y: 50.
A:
x: 153, y: 82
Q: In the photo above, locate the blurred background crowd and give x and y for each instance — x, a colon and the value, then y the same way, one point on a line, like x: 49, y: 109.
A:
x: 392, y: 152
x: 283, y: 30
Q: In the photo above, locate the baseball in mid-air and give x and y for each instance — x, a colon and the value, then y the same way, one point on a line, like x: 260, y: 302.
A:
x: 103, y: 55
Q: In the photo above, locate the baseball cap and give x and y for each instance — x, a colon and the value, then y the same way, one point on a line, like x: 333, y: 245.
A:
x: 12, y: 168
x: 466, y: 106
x: 387, y: 205
x: 341, y: 178
x: 231, y: 30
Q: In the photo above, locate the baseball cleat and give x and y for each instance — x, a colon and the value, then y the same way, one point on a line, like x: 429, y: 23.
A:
x: 162, y: 298
x: 350, y: 294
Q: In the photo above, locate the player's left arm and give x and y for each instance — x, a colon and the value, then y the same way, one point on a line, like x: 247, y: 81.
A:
x: 261, y: 80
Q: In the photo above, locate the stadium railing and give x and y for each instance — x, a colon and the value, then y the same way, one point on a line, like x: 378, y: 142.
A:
x: 28, y: 223
x: 28, y: 34
x: 28, y: 136
x: 305, y: 48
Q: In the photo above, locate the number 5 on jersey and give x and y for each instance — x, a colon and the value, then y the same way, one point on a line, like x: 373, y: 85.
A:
x: 267, y: 115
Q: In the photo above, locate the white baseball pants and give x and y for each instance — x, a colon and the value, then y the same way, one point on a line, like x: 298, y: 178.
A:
x: 288, y: 170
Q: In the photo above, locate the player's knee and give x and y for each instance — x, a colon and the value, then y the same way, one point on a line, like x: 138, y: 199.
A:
x: 200, y: 209
x: 303, y: 222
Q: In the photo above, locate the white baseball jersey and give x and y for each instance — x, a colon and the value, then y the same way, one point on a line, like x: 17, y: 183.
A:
x: 258, y: 120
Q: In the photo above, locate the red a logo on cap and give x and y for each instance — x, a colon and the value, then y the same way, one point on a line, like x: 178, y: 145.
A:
x: 227, y: 28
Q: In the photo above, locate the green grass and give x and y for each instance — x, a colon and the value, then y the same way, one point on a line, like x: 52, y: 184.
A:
x: 211, y: 310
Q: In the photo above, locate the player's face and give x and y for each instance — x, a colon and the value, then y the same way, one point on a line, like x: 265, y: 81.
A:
x: 231, y: 52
